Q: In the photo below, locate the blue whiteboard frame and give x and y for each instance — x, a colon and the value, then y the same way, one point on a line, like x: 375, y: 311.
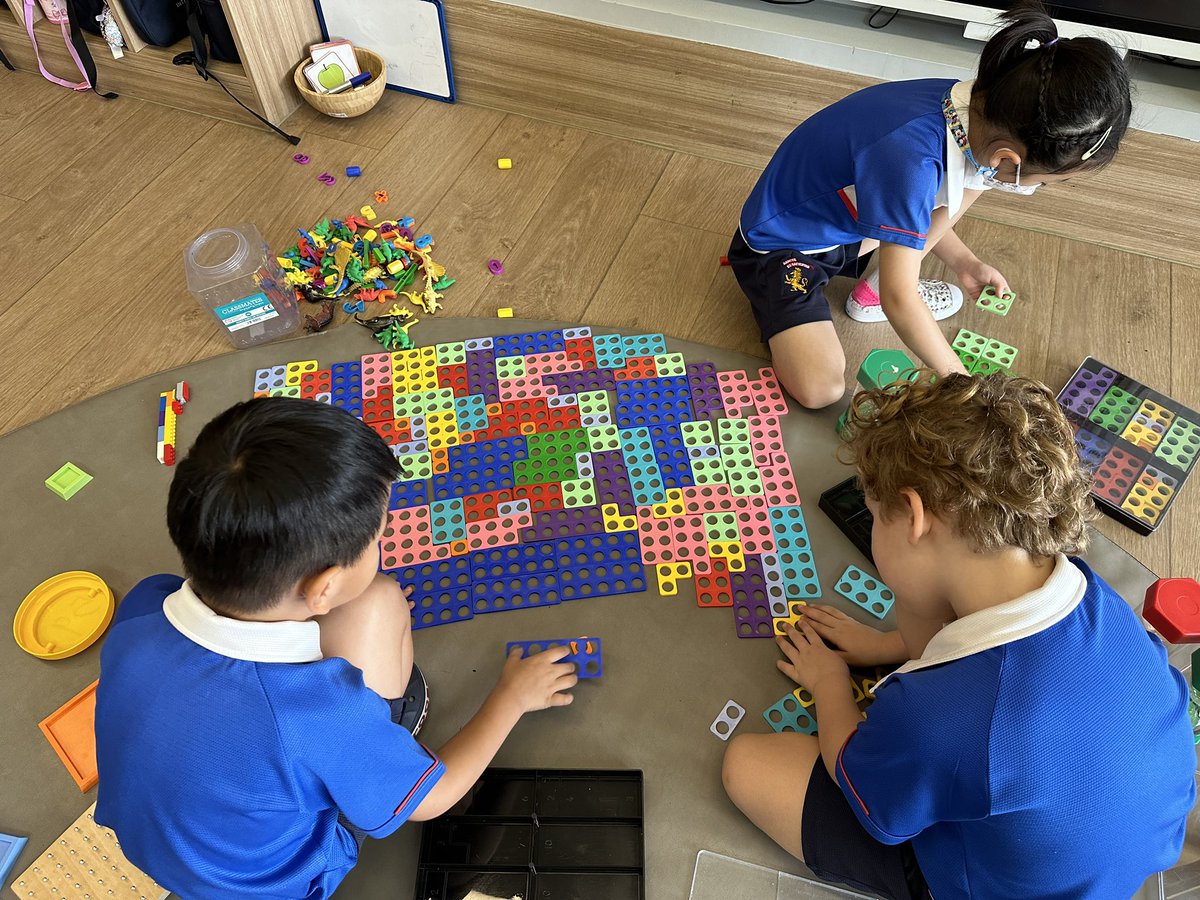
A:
x: 452, y: 96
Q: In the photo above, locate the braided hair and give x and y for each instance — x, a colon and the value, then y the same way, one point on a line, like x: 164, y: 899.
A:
x: 1067, y: 100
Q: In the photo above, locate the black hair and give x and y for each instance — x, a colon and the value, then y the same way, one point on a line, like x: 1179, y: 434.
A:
x: 273, y: 491
x: 1066, y: 99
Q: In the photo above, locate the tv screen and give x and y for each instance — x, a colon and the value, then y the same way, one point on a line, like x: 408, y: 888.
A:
x: 1178, y: 19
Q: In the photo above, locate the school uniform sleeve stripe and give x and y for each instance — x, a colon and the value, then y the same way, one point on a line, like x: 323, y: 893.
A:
x: 915, y: 234
x: 846, y: 775
x: 423, y: 786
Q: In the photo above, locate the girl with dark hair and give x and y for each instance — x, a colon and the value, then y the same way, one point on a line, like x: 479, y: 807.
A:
x: 894, y: 167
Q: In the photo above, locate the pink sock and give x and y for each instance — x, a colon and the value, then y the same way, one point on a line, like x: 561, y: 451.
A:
x: 865, y: 293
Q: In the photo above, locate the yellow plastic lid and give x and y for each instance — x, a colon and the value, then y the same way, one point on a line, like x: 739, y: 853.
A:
x: 63, y: 615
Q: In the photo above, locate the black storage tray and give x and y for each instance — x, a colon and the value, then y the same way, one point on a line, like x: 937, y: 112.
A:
x: 845, y: 505
x: 553, y: 834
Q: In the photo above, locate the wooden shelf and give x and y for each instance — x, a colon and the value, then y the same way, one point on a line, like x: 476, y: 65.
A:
x: 271, y: 39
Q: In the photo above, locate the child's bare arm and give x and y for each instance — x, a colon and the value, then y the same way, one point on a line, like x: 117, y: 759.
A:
x: 899, y: 272
x: 856, y: 643
x: 811, y: 663
x: 526, y: 684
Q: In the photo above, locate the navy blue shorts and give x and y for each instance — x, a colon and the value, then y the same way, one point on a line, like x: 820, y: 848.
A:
x: 786, y: 288
x: 839, y: 850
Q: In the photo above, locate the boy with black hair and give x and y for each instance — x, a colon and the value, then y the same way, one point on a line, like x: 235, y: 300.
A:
x: 255, y: 722
x: 1034, y: 743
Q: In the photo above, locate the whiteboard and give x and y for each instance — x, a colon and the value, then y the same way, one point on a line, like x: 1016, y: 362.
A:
x: 410, y: 35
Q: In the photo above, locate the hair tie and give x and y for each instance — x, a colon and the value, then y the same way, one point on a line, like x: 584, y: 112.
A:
x: 1051, y: 42
x: 1035, y: 44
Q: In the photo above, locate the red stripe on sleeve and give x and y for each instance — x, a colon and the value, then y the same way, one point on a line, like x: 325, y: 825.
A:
x: 904, y: 231
x: 842, y: 768
x: 417, y: 787
x: 849, y: 204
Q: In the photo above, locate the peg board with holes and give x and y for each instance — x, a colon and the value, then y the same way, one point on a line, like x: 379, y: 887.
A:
x: 553, y: 466
x: 86, y: 863
x: 1139, y: 445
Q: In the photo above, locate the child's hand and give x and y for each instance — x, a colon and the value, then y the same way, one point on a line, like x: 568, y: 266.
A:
x: 854, y: 642
x: 809, y: 662
x: 538, y: 681
x: 975, y: 275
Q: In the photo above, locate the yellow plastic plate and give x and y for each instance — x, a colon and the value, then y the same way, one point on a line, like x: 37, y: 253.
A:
x: 63, y: 615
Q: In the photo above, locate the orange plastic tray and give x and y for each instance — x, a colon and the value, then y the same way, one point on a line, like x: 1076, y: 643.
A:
x: 71, y: 731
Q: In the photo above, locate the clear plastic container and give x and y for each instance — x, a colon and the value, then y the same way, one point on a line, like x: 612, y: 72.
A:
x: 232, y: 273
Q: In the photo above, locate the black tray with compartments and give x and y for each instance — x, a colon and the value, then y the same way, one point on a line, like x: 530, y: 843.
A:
x: 1140, y: 445
x: 845, y: 505
x: 550, y: 834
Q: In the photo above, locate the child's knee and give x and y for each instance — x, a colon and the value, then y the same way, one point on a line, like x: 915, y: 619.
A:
x: 815, y: 390
x: 734, y: 768
x: 387, y: 606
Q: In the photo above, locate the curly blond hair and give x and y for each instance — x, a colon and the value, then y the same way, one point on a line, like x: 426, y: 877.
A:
x: 995, y: 455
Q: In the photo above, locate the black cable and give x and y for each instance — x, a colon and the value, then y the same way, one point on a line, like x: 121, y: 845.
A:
x: 189, y: 59
x: 876, y: 11
x: 787, y: 2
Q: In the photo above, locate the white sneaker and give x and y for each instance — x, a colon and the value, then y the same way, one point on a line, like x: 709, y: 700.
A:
x: 943, y: 300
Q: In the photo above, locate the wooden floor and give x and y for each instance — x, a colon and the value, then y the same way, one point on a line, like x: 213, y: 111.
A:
x: 99, y: 200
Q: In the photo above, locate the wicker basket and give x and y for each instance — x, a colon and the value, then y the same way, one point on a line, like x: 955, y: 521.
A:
x: 348, y: 103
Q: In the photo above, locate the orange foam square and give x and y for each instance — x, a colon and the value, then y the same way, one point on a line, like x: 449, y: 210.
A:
x: 71, y: 731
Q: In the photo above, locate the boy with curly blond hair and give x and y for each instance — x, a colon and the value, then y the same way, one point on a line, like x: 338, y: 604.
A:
x: 1034, y: 742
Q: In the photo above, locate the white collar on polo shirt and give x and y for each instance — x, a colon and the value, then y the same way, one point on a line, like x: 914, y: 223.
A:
x: 1020, y: 618
x: 265, y: 642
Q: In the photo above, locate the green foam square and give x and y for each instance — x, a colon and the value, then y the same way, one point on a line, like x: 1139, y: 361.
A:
x: 708, y: 470
x: 593, y: 403
x: 451, y: 354
x: 1180, y: 445
x: 736, y: 456
x: 510, y: 367
x: 697, y: 434
x: 1000, y: 353
x: 999, y: 304
x: 721, y: 526
x: 745, y: 482
x: 68, y: 481
x: 969, y: 346
x: 733, y: 431
x: 986, y: 367
x: 416, y: 466
x: 670, y: 365
x: 973, y: 348
x: 579, y: 492
x: 1115, y: 409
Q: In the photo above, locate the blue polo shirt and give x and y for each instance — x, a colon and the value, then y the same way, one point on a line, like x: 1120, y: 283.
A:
x: 227, y: 749
x: 1040, y: 748
x: 869, y: 166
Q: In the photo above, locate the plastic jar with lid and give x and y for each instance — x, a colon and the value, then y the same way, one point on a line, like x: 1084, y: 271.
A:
x: 231, y: 273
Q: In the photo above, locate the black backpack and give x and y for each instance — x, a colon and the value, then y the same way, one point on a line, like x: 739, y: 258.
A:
x: 165, y: 23
x: 87, y: 12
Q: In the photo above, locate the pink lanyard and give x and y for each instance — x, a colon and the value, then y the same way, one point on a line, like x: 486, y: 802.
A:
x: 58, y: 15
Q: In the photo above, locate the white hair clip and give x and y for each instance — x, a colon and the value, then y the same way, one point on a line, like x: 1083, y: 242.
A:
x: 1035, y: 44
x: 1096, y: 146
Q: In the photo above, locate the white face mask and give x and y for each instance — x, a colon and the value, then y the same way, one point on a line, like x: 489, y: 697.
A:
x: 987, y: 174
